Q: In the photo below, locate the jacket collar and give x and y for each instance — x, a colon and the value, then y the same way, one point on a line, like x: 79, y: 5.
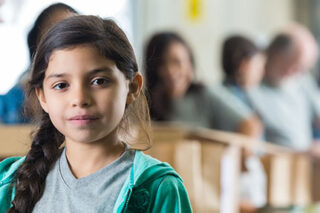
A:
x: 145, y: 170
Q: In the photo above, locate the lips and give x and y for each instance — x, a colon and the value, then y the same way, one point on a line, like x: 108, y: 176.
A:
x: 83, y: 119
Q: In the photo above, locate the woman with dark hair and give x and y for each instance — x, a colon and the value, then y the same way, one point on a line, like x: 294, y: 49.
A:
x: 169, y: 72
x: 11, y: 103
x: 174, y: 96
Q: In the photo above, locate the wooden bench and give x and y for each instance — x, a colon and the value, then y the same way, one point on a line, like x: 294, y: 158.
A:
x: 209, y: 163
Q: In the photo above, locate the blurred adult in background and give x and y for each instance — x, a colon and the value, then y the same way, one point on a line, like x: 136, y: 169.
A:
x: 308, y: 49
x: 11, y: 103
x: 175, y: 96
x: 285, y: 102
x: 243, y: 65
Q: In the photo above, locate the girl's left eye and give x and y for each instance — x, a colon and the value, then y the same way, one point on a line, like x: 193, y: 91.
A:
x: 100, y: 81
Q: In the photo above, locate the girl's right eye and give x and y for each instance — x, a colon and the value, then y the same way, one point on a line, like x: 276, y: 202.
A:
x: 60, y: 86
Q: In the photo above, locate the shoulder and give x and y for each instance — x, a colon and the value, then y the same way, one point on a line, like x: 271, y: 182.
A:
x: 8, y: 168
x: 147, y: 160
x: 171, y: 185
x: 227, y: 102
x: 147, y: 168
x: 158, y: 187
x: 220, y: 93
x: 164, y: 194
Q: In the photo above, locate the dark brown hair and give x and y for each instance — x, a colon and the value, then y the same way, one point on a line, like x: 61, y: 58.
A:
x: 112, y: 43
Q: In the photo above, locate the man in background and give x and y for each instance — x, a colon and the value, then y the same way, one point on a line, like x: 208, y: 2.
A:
x: 287, y: 102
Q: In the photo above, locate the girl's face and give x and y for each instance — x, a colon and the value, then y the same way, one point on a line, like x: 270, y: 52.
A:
x: 251, y: 71
x: 176, y: 71
x: 85, y: 94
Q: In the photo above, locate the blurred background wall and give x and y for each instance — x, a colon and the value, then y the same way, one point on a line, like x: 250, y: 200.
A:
x: 18, y: 16
x: 203, y: 23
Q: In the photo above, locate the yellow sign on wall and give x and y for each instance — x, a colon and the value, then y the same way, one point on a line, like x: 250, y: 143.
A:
x: 194, y: 9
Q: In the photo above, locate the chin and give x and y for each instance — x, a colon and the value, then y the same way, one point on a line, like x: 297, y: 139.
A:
x: 85, y: 138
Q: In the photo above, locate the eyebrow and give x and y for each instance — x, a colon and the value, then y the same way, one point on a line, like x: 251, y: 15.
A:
x: 101, y: 69
x: 93, y: 72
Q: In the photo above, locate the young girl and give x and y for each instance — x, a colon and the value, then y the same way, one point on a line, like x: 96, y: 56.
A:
x: 86, y: 80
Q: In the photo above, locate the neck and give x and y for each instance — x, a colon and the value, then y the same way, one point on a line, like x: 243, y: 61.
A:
x: 87, y: 158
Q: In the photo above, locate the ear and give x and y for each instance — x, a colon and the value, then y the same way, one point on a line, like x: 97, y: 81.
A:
x: 135, y: 87
x: 41, y: 99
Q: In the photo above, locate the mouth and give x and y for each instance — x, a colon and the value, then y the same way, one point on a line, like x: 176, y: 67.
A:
x: 83, y: 119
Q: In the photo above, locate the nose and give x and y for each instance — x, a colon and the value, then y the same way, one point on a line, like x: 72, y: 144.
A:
x: 80, y: 97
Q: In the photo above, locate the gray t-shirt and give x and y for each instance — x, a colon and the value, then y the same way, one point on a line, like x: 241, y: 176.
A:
x: 214, y: 108
x: 96, y: 192
x: 288, y: 111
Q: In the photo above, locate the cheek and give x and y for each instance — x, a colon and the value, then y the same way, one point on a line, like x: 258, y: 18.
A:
x: 257, y: 70
x: 56, y: 115
x: 56, y: 108
x: 187, y: 70
x: 114, y: 101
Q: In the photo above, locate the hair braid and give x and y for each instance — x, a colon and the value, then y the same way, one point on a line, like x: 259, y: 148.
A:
x: 32, y: 173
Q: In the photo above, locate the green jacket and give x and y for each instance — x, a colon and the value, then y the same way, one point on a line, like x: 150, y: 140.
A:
x: 152, y: 186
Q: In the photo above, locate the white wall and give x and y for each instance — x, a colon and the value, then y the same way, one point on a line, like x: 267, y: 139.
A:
x: 18, y: 17
x: 258, y: 19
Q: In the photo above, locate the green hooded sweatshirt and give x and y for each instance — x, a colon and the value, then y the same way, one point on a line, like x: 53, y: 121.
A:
x: 152, y: 186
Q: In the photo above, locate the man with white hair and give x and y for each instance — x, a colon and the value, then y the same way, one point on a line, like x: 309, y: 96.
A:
x: 287, y: 101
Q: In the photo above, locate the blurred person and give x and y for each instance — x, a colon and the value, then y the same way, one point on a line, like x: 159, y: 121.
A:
x: 309, y: 51
x: 284, y: 101
x: 175, y: 96
x: 243, y: 65
x: 11, y: 103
